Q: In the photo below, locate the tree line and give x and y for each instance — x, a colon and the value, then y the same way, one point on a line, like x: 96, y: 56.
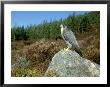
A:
x: 51, y: 30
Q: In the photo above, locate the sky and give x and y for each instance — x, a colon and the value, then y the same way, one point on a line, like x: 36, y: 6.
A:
x: 24, y: 18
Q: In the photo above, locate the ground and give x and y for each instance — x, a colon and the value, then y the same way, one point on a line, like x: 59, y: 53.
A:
x: 40, y: 52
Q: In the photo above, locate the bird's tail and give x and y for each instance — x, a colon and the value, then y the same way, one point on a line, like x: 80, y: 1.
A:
x: 78, y: 50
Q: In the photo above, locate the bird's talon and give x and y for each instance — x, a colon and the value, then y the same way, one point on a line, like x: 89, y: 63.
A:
x: 66, y: 49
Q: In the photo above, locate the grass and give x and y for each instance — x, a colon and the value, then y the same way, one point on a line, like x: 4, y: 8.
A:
x: 52, y: 73
x: 39, y: 53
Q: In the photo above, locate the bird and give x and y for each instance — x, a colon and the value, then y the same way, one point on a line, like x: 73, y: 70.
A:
x: 70, y: 39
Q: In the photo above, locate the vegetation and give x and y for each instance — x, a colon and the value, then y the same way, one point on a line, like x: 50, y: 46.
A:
x: 51, y: 30
x: 34, y: 46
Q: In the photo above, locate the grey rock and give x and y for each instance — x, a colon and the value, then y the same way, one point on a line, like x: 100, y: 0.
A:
x: 20, y: 63
x: 71, y: 64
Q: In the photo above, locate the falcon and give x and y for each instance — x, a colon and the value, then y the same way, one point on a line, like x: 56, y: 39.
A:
x: 70, y: 39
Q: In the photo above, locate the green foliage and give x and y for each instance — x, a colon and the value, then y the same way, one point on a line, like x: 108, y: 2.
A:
x: 18, y: 33
x: 77, y: 23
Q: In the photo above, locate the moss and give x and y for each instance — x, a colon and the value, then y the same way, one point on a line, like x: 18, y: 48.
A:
x: 26, y: 72
x: 52, y: 73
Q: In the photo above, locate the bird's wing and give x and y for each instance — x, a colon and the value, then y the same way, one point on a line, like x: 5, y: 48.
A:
x: 69, y: 37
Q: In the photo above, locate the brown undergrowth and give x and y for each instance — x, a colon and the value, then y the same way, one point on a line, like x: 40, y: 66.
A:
x: 39, y: 54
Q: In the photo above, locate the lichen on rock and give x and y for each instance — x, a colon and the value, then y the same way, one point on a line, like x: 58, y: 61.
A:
x: 71, y: 64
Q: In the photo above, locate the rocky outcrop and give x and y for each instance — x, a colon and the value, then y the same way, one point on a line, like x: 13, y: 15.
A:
x: 71, y: 64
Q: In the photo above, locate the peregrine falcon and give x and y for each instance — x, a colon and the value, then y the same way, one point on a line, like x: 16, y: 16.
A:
x: 70, y: 39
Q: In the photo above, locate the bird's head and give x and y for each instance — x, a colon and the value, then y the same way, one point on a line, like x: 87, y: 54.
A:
x: 61, y: 26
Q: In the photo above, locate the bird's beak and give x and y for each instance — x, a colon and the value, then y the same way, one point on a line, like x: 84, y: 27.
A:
x: 61, y: 25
